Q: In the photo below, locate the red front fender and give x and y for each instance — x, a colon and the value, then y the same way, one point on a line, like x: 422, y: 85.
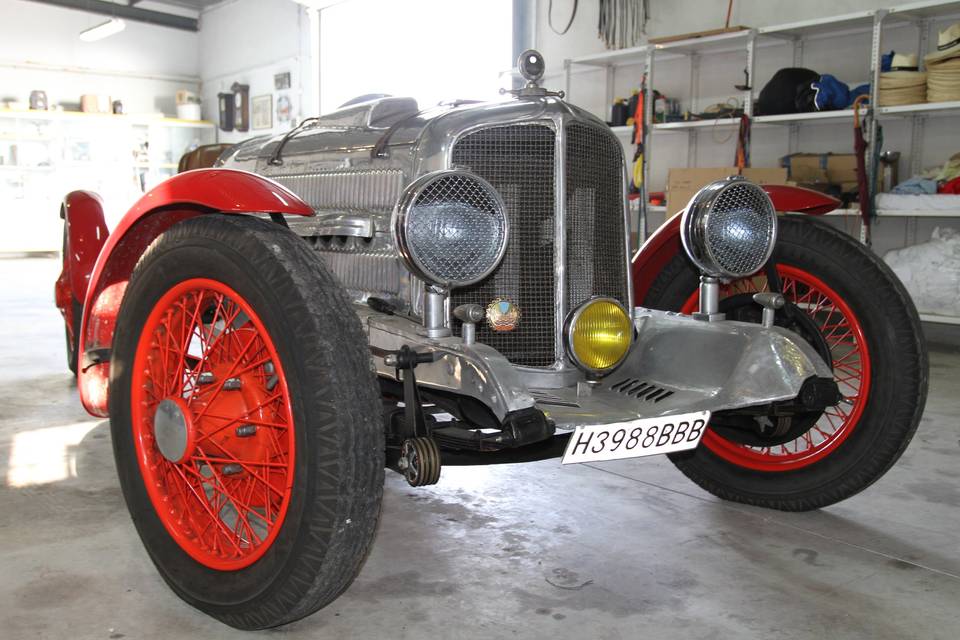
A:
x: 660, y: 248
x: 799, y: 200
x: 183, y: 196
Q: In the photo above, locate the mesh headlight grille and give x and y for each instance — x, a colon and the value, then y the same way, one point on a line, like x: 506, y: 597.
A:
x: 451, y: 228
x: 730, y: 228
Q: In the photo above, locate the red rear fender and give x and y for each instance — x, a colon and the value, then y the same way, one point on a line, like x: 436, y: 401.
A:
x: 183, y: 196
x: 86, y: 234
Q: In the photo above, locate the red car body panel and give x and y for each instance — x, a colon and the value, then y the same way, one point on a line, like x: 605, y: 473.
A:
x: 86, y: 234
x: 183, y: 196
x: 660, y: 247
x: 799, y: 200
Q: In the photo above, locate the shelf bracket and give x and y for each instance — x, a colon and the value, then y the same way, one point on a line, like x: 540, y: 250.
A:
x: 610, y: 73
x: 647, y: 130
x: 694, y: 89
x: 798, y: 52
x: 793, y: 142
x: 916, y: 144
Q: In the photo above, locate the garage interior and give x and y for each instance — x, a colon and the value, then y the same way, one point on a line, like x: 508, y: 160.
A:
x: 615, y: 549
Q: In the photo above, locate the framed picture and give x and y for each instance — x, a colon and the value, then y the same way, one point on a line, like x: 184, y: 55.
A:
x: 281, y: 80
x: 262, y: 112
x: 284, y: 109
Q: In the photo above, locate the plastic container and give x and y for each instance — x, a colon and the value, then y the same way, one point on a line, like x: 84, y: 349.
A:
x: 190, y: 111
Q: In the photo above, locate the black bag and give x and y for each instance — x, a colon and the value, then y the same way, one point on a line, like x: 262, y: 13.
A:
x: 788, y: 91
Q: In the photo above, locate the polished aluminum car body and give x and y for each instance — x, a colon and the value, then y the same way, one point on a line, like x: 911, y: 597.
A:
x: 561, y: 174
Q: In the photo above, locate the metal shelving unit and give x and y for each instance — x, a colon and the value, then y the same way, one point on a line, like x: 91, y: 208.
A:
x: 918, y: 15
x: 46, y: 154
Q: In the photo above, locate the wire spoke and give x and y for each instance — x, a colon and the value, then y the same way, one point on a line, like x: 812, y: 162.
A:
x: 206, y: 506
x: 842, y: 335
x: 226, y: 520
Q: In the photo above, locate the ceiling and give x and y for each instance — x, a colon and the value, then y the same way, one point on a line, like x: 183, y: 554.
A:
x: 196, y: 5
x: 133, y: 10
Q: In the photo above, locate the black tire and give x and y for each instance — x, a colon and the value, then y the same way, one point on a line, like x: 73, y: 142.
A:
x: 76, y: 314
x: 334, y: 506
x: 898, y: 380
x: 73, y: 341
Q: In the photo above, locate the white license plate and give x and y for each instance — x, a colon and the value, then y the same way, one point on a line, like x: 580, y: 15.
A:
x: 636, y: 438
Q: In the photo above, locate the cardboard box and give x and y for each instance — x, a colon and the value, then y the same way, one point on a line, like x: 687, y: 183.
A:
x: 842, y: 168
x: 682, y: 184
x: 832, y: 168
x: 92, y: 103
x: 765, y: 175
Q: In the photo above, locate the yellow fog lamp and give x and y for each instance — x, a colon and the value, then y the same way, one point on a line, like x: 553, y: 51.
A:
x: 599, y: 333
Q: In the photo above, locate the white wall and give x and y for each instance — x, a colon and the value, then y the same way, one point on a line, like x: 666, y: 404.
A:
x: 143, y: 66
x: 248, y: 41
x: 846, y: 57
x: 670, y: 17
x: 385, y: 46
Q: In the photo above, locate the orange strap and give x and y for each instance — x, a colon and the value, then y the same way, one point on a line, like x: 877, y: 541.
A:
x: 856, y: 109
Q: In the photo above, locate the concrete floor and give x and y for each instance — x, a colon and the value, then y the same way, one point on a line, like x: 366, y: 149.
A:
x: 617, y: 550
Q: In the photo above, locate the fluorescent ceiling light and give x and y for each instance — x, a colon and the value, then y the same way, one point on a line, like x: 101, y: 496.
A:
x: 101, y: 31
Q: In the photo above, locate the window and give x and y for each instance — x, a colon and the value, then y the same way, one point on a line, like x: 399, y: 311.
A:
x: 432, y: 50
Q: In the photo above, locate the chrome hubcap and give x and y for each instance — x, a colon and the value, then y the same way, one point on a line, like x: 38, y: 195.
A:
x: 171, y: 430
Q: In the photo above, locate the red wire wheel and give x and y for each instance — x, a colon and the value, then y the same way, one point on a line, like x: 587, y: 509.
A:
x: 246, y: 420
x: 854, y: 312
x: 212, y: 424
x: 850, y: 360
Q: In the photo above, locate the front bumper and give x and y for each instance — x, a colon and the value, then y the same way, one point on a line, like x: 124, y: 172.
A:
x: 682, y: 365
x: 676, y: 365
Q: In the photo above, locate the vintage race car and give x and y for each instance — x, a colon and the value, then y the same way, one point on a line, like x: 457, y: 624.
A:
x: 390, y: 287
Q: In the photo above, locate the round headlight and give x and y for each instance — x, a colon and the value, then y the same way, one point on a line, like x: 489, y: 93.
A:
x: 531, y: 65
x: 451, y: 228
x: 599, y: 333
x: 729, y: 228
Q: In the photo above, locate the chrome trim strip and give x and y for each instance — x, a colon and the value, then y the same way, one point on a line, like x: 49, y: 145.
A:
x: 626, y: 231
x: 334, y: 224
x: 560, y: 247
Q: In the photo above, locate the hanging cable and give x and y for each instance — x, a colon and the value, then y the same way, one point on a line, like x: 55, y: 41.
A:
x: 573, y: 14
x: 622, y: 23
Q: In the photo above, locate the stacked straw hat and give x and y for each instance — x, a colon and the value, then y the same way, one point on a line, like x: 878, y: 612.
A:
x: 904, y: 83
x: 943, y: 67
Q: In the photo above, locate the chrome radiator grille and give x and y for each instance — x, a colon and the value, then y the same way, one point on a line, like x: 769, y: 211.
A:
x: 518, y: 161
x: 596, y: 259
